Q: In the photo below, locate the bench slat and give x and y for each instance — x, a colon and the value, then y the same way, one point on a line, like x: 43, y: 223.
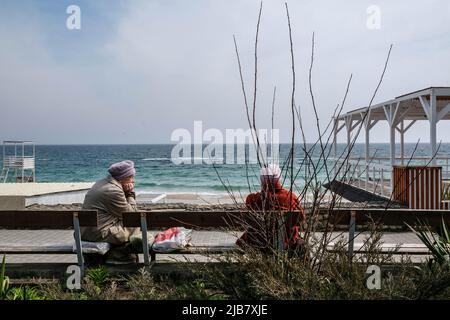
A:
x: 390, y: 217
x: 36, y: 251
x: 189, y: 219
x: 40, y: 219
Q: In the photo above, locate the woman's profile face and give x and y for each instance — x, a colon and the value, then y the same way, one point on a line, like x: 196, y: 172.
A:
x: 128, y: 180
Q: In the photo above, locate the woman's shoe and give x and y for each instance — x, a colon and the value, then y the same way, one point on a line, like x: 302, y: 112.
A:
x: 121, y: 255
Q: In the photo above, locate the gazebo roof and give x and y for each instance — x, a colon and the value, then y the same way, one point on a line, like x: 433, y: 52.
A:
x: 410, y: 106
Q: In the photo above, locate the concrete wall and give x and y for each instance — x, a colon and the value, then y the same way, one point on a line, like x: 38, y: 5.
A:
x: 67, y: 197
x: 12, y: 202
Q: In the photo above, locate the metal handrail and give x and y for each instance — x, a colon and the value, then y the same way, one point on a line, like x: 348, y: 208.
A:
x: 376, y: 173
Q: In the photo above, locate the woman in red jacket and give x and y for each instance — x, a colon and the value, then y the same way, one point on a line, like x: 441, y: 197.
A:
x: 273, y: 200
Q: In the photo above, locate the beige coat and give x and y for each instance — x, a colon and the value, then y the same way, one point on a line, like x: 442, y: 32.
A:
x: 108, y: 198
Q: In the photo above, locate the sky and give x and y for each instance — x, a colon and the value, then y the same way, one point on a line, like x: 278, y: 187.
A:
x: 138, y: 70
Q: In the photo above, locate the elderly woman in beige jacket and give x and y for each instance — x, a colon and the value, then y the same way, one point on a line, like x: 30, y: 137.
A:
x: 111, y: 197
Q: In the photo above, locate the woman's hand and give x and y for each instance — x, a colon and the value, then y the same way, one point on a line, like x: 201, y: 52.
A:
x: 128, y: 187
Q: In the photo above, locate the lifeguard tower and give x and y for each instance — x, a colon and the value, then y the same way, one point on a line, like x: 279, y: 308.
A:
x: 18, y: 162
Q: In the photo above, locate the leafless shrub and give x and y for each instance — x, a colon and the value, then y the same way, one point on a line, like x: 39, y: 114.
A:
x: 142, y: 286
x: 264, y: 269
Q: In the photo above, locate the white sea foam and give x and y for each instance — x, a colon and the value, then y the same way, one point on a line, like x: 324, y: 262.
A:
x: 156, y: 159
x: 180, y: 192
x: 183, y: 158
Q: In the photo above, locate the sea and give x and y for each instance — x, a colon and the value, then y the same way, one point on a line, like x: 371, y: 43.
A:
x: 157, y: 172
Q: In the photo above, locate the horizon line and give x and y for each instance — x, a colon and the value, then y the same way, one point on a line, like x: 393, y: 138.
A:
x: 149, y: 144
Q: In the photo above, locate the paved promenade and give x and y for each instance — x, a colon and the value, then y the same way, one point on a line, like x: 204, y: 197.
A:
x: 407, y: 241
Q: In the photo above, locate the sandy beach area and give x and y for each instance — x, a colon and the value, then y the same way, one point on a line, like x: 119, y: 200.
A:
x: 19, y: 195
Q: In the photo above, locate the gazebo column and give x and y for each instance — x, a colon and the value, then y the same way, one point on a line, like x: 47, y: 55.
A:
x: 392, y: 144
x: 390, y: 111
x: 443, y: 113
x: 336, y: 130
x: 392, y: 153
x: 402, y: 130
x: 402, y: 141
x: 430, y: 110
x: 367, y: 127
x: 399, y: 123
x: 433, y: 121
x: 368, y: 124
x: 391, y: 116
x: 348, y: 126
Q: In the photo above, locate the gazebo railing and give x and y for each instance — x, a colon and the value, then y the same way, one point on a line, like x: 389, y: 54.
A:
x: 376, y: 176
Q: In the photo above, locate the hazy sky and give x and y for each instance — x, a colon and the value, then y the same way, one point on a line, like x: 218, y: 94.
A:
x: 137, y: 70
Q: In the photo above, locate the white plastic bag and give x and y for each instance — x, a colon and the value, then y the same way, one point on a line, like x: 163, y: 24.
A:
x: 93, y: 247
x: 172, y: 239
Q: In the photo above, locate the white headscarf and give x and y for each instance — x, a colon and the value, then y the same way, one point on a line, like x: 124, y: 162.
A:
x: 271, y: 172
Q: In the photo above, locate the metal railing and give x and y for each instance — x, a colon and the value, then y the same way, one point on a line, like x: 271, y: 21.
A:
x: 376, y: 176
x: 442, y: 161
x: 18, y: 162
x: 373, y: 177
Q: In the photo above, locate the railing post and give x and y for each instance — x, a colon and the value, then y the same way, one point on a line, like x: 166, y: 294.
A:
x: 358, y: 174
x: 382, y: 181
x: 366, y: 184
x: 78, y: 244
x: 351, y: 234
x: 373, y: 180
x: 144, y: 238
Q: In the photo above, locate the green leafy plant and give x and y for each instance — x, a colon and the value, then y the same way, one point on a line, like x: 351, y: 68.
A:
x: 4, y: 280
x: 439, y: 245
x: 24, y: 293
x: 99, y: 276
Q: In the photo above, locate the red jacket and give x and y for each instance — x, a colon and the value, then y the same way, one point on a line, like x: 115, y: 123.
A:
x: 274, y: 198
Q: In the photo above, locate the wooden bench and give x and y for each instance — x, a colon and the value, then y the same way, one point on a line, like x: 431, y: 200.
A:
x: 232, y: 220
x: 387, y: 217
x: 47, y: 220
x: 73, y: 220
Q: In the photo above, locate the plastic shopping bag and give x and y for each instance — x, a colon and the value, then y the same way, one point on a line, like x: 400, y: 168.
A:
x: 172, y: 239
